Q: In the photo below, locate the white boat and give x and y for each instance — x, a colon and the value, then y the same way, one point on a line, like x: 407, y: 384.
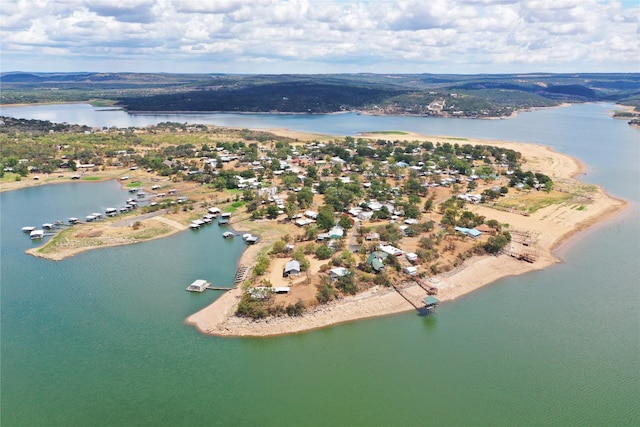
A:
x: 73, y: 220
x: 28, y: 229
x: 227, y: 234
x: 246, y: 236
x: 47, y: 226
x: 36, y: 234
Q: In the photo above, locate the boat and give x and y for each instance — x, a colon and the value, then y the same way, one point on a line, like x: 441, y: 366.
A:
x: 73, y: 220
x: 47, y: 226
x: 228, y: 235
x: 36, y: 234
x: 28, y: 229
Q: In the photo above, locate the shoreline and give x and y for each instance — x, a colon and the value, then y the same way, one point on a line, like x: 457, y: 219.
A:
x: 218, y: 318
x: 555, y: 225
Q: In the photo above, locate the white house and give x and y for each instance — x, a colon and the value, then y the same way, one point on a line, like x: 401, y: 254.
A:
x: 337, y: 272
x: 292, y: 268
x: 391, y: 250
x: 411, y: 270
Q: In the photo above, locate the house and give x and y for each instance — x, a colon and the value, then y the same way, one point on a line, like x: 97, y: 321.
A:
x: 411, y: 270
x: 472, y: 232
x: 336, y: 232
x: 292, y: 268
x: 338, y: 272
x: 376, y: 261
x: 372, y: 236
x: 365, y: 216
x: 355, y: 211
x: 374, y: 205
x: 390, y: 250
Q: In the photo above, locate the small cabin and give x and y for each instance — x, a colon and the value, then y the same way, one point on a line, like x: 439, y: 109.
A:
x: 292, y: 268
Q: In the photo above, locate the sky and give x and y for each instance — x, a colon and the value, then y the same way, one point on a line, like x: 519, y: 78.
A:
x: 318, y: 37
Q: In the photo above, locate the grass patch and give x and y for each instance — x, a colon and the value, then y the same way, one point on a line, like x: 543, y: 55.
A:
x: 151, y: 232
x: 457, y: 138
x: 90, y: 178
x: 535, y: 201
x: 60, y: 238
x: 235, y: 206
x: 581, y: 207
x: 102, y: 102
x: 134, y: 184
x: 9, y: 177
x: 388, y: 132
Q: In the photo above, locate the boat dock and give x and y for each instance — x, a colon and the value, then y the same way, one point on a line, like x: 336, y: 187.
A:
x: 201, y: 285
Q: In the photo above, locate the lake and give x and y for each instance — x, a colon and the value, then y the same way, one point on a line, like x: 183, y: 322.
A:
x: 100, y: 339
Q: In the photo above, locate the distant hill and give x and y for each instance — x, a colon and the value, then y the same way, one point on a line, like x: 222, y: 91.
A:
x: 485, y: 95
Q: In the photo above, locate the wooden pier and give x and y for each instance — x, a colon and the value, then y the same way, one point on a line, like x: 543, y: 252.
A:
x: 218, y: 288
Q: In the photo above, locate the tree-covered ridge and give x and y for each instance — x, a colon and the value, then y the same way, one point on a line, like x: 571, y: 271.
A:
x: 416, y: 94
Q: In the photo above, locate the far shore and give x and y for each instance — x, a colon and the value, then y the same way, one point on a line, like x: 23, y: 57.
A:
x: 553, y: 226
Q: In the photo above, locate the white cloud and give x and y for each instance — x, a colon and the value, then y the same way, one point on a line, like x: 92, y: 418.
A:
x: 321, y: 36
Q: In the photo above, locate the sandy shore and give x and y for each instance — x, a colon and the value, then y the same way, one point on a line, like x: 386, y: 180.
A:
x: 549, y: 226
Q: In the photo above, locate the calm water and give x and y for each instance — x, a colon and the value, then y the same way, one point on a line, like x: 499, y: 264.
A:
x: 99, y: 339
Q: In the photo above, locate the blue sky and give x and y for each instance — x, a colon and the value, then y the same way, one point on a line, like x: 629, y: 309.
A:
x: 325, y: 36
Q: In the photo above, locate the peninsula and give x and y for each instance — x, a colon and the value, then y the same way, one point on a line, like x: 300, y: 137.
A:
x: 347, y: 228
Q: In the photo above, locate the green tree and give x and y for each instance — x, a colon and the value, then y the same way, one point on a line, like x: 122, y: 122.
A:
x: 323, y: 252
x: 304, y: 197
x: 325, y: 218
x: 345, y: 222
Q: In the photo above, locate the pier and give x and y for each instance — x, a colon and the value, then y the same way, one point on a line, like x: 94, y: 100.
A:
x: 202, y: 285
x: 218, y: 288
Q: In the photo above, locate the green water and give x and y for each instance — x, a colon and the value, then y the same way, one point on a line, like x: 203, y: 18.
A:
x: 100, y: 339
